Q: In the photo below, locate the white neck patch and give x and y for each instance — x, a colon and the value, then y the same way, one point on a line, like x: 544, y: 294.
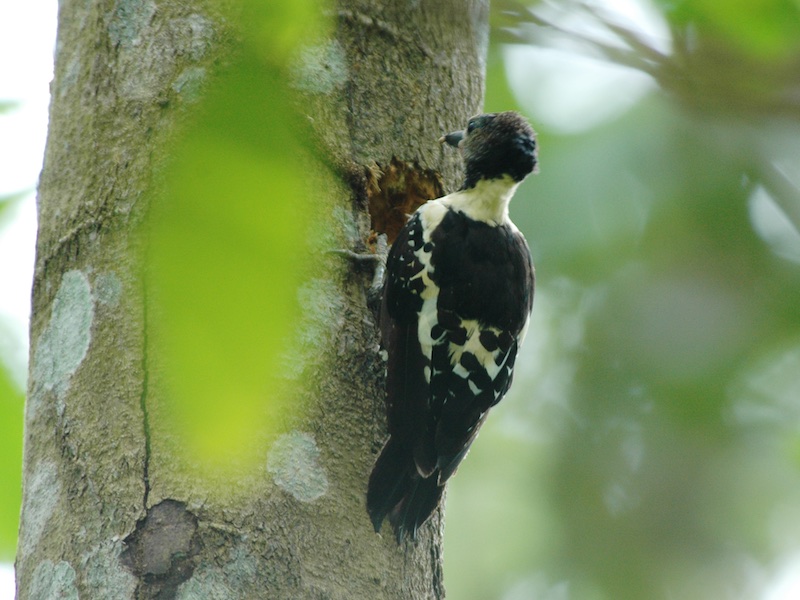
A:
x: 487, y: 201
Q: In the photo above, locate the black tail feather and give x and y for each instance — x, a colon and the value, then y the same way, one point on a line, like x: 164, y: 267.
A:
x: 387, y: 483
x: 396, y: 490
x: 421, y: 499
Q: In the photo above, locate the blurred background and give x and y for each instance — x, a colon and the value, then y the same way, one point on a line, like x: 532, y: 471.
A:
x: 650, y: 447
x: 27, y: 39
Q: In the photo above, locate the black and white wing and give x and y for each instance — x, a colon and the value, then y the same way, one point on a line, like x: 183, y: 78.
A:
x: 455, y: 308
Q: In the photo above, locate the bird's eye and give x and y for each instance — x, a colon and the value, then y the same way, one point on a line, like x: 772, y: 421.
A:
x: 472, y: 124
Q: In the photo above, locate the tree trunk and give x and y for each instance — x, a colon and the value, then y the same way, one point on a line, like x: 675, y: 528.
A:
x: 106, y: 511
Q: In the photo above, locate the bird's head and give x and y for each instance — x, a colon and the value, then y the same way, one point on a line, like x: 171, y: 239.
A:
x: 495, y: 145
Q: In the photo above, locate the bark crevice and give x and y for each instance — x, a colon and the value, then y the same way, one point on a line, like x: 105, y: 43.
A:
x: 143, y: 403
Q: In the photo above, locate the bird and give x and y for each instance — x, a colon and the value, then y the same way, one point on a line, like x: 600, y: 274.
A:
x: 455, y: 308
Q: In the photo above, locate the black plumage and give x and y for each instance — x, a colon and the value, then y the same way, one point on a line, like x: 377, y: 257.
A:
x: 456, y: 304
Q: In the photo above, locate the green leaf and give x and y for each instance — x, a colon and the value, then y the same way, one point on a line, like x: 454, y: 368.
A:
x: 8, y: 202
x: 7, y: 106
x: 11, y: 408
x: 229, y: 250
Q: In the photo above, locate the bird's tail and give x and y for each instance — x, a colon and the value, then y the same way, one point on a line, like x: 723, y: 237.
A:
x: 396, y: 490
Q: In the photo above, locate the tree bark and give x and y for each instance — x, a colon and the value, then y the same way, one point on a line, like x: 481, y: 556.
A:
x: 106, y: 511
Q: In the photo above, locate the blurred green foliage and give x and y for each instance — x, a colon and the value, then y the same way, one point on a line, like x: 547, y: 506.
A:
x: 228, y: 246
x: 11, y: 418
x: 6, y: 106
x: 7, y: 204
x: 11, y: 404
x: 649, y: 447
x: 765, y: 28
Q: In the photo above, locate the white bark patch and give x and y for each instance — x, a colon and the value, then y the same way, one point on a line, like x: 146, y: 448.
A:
x: 323, y: 317
x: 321, y: 69
x: 108, y: 289
x: 196, y: 34
x: 105, y: 575
x: 294, y: 464
x: 201, y: 34
x: 53, y: 582
x: 39, y: 504
x: 147, y: 65
x: 127, y: 21
x: 189, y: 84
x: 207, y: 583
x: 63, y: 344
x: 236, y: 579
x: 70, y: 77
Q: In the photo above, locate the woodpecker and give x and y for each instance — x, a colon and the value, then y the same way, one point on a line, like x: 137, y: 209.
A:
x: 455, y: 308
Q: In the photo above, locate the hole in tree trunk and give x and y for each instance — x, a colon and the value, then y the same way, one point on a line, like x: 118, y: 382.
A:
x: 395, y: 191
x: 162, y: 549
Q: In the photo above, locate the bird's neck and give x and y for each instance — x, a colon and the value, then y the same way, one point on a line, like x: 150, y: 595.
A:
x: 486, y: 201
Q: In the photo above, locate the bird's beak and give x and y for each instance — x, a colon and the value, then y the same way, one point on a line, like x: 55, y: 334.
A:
x: 453, y: 139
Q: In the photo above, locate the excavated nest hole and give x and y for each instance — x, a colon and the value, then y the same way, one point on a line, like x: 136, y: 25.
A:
x: 395, y: 191
x: 161, y: 552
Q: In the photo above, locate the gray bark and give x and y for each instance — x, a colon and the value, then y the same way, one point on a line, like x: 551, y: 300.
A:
x: 107, y: 512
